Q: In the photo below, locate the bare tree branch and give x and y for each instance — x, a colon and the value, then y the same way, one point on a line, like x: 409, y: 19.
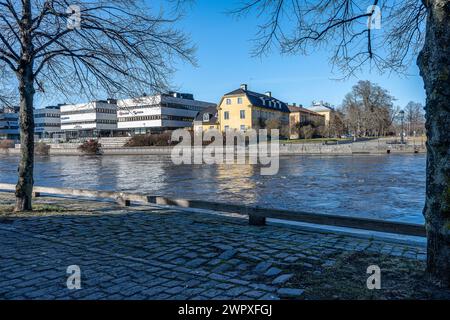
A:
x: 301, y: 26
x: 119, y: 47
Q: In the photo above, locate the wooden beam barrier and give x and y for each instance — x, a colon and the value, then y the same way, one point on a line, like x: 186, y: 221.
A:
x: 257, y: 216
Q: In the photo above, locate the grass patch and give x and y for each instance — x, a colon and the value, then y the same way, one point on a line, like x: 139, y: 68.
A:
x: 315, y: 140
x: 401, y: 278
x: 7, y: 210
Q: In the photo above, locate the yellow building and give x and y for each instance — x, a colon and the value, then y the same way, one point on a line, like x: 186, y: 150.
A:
x: 242, y: 109
x: 300, y: 116
x: 323, y: 109
x: 206, y: 119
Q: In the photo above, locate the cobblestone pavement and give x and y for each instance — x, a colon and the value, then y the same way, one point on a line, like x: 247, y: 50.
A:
x: 160, y: 253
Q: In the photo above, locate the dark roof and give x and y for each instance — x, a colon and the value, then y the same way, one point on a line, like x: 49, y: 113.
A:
x: 261, y: 100
x: 300, y: 109
x: 212, y: 111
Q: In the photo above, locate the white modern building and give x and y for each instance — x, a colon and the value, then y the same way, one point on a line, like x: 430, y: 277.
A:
x: 47, y: 122
x: 92, y: 119
x: 9, y: 123
x: 159, y: 112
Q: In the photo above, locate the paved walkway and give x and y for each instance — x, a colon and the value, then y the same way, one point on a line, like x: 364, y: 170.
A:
x: 160, y: 253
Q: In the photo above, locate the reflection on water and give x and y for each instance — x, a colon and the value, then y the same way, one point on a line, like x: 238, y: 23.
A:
x: 386, y: 187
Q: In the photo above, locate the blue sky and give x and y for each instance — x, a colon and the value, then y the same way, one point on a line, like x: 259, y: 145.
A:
x: 224, y: 62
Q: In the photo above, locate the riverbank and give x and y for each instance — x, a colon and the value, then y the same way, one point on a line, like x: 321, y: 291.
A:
x: 154, y: 252
x: 377, y: 146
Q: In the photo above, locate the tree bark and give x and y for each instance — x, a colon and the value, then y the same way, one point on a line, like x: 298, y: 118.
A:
x: 24, y: 187
x: 434, y: 64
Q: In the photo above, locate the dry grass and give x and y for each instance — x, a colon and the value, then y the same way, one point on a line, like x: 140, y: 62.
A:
x: 7, y: 210
x: 401, y: 278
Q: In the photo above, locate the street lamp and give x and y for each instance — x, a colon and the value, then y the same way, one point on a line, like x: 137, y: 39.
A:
x: 402, y: 118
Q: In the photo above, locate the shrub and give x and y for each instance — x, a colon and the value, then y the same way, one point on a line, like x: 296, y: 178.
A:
x: 42, y: 149
x: 6, y: 144
x: 90, y: 147
x: 273, y: 123
x: 149, y: 140
x: 276, y: 123
x: 307, y: 132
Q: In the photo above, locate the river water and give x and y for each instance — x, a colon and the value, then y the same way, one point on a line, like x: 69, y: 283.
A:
x: 389, y: 187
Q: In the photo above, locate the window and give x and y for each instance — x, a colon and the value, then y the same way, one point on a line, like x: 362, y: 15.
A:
x: 242, y: 114
x: 227, y: 127
x: 228, y: 101
x: 242, y: 127
x: 239, y: 100
x: 206, y: 117
x: 226, y: 115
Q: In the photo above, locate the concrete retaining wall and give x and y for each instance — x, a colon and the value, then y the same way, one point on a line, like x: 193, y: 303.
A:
x: 367, y: 147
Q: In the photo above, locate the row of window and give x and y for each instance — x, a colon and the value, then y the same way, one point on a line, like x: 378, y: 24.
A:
x: 167, y: 105
x: 242, y: 128
x: 93, y: 110
x: 230, y: 101
x: 42, y: 125
x: 46, y: 115
x: 140, y: 118
x: 307, y: 118
x: 5, y: 117
x: 271, y: 104
x: 268, y: 114
x: 156, y: 117
x: 262, y: 114
x: 99, y: 121
x: 226, y: 115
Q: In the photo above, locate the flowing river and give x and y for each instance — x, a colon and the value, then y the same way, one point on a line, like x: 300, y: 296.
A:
x: 390, y: 187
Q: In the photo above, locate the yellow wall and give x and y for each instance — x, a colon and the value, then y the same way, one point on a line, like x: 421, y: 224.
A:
x: 252, y: 113
x: 327, y: 115
x: 294, y: 118
x: 210, y: 126
x: 235, y: 121
x: 200, y: 126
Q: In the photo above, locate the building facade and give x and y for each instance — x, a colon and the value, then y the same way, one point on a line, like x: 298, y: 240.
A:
x: 242, y: 109
x: 9, y: 123
x: 207, y: 119
x: 323, y: 109
x: 92, y: 119
x: 47, y: 122
x: 301, y: 116
x: 159, y: 112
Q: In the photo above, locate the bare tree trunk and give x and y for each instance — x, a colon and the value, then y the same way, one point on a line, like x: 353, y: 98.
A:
x: 24, y: 187
x: 434, y: 62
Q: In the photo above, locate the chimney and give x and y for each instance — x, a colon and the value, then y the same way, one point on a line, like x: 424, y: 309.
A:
x: 244, y: 86
x: 269, y: 94
x: 294, y: 104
